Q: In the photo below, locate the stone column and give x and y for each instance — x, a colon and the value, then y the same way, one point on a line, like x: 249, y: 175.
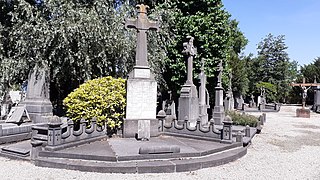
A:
x: 218, y: 111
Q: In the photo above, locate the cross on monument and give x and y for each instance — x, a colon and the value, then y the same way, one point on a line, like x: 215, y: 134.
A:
x: 190, y: 51
x: 304, y: 85
x: 142, y: 25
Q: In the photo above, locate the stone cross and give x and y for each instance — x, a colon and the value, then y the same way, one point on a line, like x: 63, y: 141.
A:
x: 142, y: 25
x: 304, y: 85
x: 190, y: 51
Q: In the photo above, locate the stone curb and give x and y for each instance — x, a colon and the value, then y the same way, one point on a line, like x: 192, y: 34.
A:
x: 155, y: 166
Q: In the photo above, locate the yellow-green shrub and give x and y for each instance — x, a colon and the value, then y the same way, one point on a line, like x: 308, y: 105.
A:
x: 243, y: 119
x: 103, y: 98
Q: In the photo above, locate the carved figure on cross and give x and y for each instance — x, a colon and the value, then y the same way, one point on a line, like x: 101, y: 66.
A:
x: 142, y: 24
x: 304, y: 85
x: 190, y: 51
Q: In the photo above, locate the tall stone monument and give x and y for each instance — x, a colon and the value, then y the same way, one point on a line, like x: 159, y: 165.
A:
x: 203, y: 96
x: 188, y: 101
x: 218, y: 111
x: 37, y: 101
x: 140, y: 121
x: 229, y: 101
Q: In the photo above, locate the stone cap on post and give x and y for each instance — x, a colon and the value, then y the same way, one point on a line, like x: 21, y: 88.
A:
x: 227, y: 120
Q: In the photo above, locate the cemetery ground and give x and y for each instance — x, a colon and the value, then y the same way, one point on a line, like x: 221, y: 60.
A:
x: 287, y: 148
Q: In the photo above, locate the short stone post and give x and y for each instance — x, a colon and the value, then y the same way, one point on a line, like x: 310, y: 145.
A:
x: 1, y: 131
x: 247, y: 131
x: 264, y: 117
x: 243, y: 106
x: 239, y: 137
x: 36, y: 148
x: 161, y: 116
x: 261, y: 119
x: 54, y: 131
x: 227, y: 130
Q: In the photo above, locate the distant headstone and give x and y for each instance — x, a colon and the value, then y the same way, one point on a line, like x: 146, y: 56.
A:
x: 203, y: 96
x: 15, y: 96
x: 18, y: 115
x: 38, y: 100
x: 6, y: 106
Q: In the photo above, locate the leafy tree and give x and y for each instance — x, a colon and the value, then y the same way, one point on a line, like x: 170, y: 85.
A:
x: 272, y: 65
x: 78, y: 40
x: 216, y: 36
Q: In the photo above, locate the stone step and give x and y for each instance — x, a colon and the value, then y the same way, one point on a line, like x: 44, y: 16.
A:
x: 144, y: 166
x: 14, y: 151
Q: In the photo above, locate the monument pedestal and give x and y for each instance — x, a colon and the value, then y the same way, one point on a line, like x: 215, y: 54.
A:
x: 218, y: 111
x: 38, y: 108
x: 189, y: 104
x: 302, y: 112
x: 141, y: 106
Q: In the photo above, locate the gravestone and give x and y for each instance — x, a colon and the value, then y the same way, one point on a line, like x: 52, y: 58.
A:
x: 218, y: 111
x: 316, y: 102
x: 37, y: 101
x: 16, y: 96
x: 229, y: 101
x: 18, y: 115
x: 6, y: 106
x: 140, y: 121
x: 203, y: 96
x: 188, y: 101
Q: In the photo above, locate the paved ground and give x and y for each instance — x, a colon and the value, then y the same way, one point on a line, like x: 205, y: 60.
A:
x: 287, y: 148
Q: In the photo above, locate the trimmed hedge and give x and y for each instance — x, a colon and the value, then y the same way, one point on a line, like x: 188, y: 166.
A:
x: 243, y: 119
x: 103, y: 98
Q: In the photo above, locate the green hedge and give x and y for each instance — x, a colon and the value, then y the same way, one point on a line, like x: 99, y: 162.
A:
x: 103, y: 98
x: 242, y: 119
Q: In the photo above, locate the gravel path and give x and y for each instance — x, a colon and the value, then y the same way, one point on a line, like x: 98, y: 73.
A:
x: 287, y: 148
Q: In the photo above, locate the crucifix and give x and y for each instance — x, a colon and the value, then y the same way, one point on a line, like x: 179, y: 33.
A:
x: 142, y: 25
x: 191, y: 51
x: 304, y: 85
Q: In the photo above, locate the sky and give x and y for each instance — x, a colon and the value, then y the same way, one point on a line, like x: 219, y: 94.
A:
x: 298, y: 20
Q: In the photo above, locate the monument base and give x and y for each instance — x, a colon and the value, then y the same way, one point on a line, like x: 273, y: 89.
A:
x: 189, y: 104
x: 218, y: 115
x: 140, y: 129
x: 141, y: 109
x: 304, y: 113
x: 37, y: 108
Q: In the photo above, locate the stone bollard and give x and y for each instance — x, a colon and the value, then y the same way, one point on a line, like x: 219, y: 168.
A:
x: 264, y: 117
x: 161, y: 116
x: 54, y: 131
x: 261, y: 119
x: 36, y: 148
x: 259, y: 128
x: 239, y: 137
x: 1, y: 131
x: 226, y: 133
x: 243, y: 106
x: 247, y: 131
